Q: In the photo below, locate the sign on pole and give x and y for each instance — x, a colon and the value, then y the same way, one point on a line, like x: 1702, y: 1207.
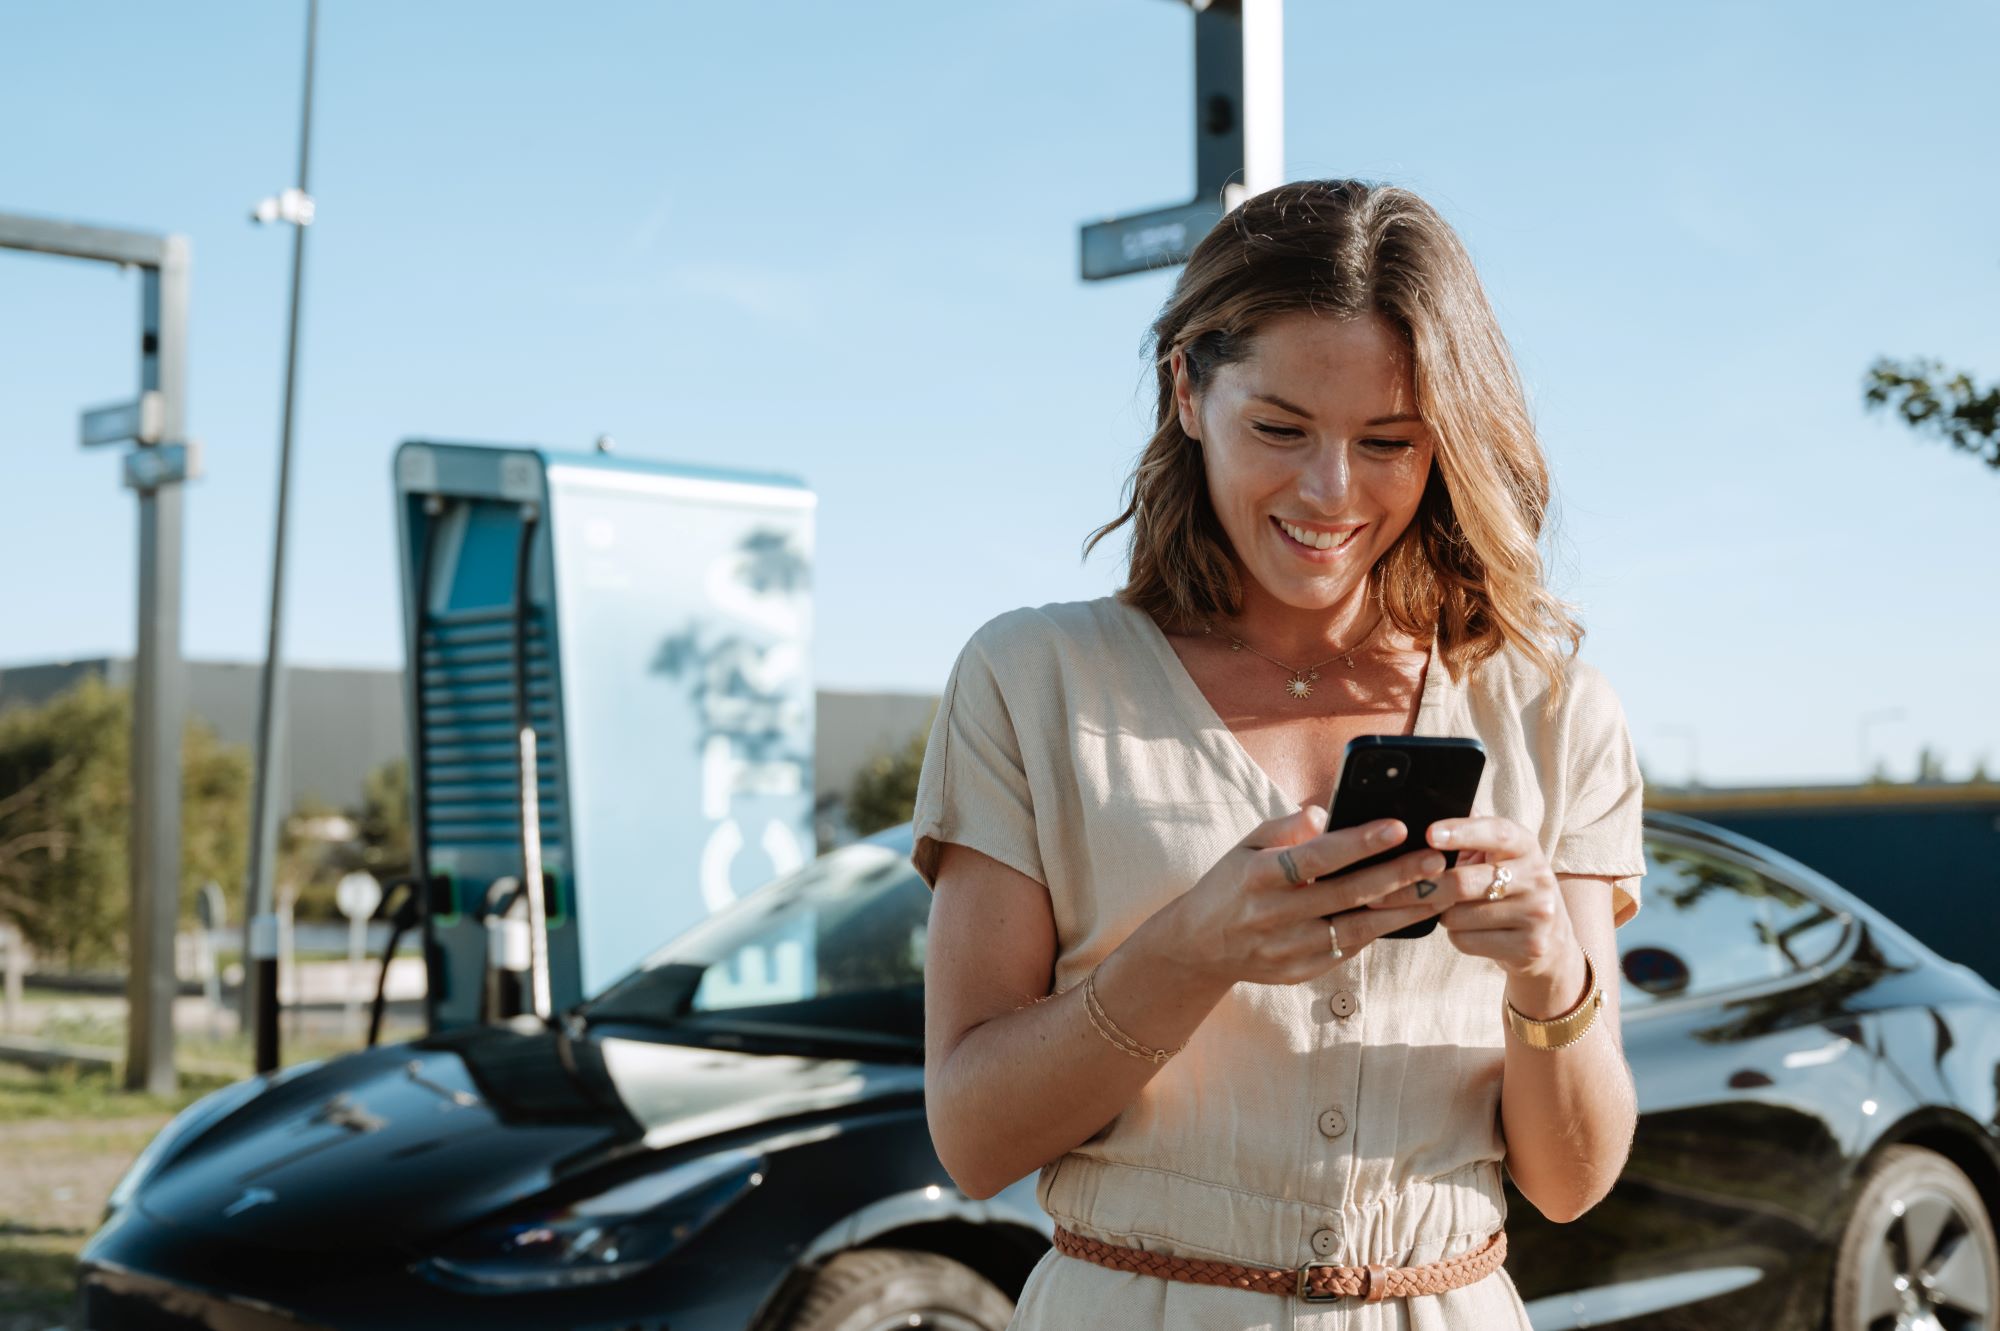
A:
x: 1239, y: 140
x: 357, y: 895
x: 148, y: 469
x: 1161, y: 238
x: 135, y: 422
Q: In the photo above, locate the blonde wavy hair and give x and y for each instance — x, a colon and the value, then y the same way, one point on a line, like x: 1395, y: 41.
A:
x: 1467, y: 572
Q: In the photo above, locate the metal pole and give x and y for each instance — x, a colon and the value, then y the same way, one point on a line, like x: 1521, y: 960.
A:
x: 260, y: 925
x: 157, y: 696
x: 13, y: 961
x: 1239, y: 140
x: 158, y: 689
x: 1263, y: 95
x: 1239, y: 90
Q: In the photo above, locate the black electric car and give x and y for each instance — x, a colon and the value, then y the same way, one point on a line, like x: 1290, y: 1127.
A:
x: 733, y: 1139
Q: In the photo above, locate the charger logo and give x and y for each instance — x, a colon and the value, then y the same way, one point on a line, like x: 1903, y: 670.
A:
x: 251, y: 1197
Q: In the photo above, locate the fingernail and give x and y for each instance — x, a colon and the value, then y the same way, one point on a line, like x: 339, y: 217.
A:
x: 1433, y: 865
x: 1317, y: 817
x: 1440, y: 836
x: 1385, y: 832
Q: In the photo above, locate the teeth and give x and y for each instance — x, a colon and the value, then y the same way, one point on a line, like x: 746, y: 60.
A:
x: 1322, y: 540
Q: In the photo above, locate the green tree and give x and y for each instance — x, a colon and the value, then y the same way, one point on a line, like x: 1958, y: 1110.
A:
x: 380, y: 844
x: 73, y: 754
x: 215, y: 816
x: 1934, y: 401
x: 884, y: 792
x: 309, y: 862
x: 384, y: 820
x: 65, y: 820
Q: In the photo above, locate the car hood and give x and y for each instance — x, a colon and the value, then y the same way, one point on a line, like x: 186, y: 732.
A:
x: 405, y: 1144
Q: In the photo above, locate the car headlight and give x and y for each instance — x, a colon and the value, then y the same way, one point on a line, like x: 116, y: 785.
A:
x: 612, y: 1235
x: 190, y: 1122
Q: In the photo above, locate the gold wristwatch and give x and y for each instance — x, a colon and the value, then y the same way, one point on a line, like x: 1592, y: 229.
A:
x: 1567, y: 1028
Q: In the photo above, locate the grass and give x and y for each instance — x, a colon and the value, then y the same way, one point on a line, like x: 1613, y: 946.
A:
x: 209, y: 1055
x: 37, y: 1277
x: 73, y: 1095
x: 66, y: 1134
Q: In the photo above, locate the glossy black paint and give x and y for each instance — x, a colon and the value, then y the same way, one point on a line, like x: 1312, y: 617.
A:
x: 1760, y: 1107
x: 1758, y: 1112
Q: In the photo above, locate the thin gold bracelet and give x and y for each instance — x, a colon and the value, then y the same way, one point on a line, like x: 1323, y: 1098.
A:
x: 1108, y: 1028
x: 1566, y: 1028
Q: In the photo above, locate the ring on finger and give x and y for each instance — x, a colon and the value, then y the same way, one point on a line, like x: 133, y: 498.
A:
x: 1291, y: 868
x: 1333, y: 933
x: 1502, y: 876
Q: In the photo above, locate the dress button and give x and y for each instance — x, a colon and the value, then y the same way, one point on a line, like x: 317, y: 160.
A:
x: 1333, y: 1122
x: 1344, y: 1004
x: 1326, y: 1242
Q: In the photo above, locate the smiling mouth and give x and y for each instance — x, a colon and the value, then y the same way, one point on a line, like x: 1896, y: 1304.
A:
x: 1318, y: 542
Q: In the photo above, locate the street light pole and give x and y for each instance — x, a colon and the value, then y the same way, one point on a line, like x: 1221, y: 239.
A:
x: 260, y: 922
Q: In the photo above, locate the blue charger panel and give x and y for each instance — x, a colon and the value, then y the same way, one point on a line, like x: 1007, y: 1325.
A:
x: 665, y: 645
x: 684, y: 612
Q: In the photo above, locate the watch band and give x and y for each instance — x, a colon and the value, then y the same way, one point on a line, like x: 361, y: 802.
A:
x: 1568, y: 1028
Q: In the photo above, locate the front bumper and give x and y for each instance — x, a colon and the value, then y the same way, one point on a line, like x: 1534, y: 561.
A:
x: 141, y: 1274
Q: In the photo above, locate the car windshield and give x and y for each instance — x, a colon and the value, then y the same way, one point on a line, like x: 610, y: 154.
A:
x: 832, y: 954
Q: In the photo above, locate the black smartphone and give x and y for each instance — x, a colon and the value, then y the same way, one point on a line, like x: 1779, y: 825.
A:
x: 1417, y: 780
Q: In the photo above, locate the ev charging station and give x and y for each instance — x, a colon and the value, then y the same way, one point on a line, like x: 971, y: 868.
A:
x: 636, y: 635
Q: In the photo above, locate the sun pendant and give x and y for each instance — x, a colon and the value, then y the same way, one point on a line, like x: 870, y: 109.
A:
x: 1298, y: 687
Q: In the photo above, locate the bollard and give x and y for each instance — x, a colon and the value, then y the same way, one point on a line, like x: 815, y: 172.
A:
x: 15, y: 948
x: 288, y: 970
x: 209, y: 916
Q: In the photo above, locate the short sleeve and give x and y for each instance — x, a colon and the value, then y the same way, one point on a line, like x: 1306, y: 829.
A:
x: 973, y: 788
x: 1602, y: 834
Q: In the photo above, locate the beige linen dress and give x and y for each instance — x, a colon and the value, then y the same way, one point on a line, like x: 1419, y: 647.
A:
x: 1353, y: 1118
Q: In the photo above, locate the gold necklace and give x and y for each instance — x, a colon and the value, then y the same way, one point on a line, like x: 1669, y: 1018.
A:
x: 1302, y: 677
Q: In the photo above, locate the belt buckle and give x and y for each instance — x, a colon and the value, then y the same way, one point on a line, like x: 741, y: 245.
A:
x: 1305, y: 1278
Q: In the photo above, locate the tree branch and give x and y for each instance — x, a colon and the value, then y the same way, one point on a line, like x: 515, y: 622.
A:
x: 1933, y: 401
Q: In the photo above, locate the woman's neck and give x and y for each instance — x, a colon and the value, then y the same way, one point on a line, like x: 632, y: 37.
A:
x: 1302, y: 636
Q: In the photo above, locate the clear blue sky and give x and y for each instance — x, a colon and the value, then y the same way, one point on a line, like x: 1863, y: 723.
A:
x: 840, y: 241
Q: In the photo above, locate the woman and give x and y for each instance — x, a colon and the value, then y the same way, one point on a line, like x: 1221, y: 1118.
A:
x: 1244, y: 1116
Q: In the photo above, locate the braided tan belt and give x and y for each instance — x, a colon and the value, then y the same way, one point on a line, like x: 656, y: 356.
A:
x: 1315, y: 1282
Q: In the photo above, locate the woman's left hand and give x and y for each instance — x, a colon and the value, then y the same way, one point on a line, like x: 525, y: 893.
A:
x: 1527, y: 929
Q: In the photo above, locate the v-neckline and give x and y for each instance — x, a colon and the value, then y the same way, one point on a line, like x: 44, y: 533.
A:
x: 1222, y: 743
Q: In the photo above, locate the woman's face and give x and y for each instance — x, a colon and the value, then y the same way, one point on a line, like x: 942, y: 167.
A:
x: 1312, y: 440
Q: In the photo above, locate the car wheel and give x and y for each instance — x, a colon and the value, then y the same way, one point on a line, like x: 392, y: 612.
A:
x: 1918, y: 1253
x: 875, y: 1289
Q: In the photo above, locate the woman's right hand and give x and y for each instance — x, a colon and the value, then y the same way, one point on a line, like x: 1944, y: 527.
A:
x: 1247, y: 919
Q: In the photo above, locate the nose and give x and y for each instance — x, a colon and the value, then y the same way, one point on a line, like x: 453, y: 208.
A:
x: 1324, y: 481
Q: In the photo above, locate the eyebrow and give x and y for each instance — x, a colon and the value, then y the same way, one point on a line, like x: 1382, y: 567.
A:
x: 1277, y: 401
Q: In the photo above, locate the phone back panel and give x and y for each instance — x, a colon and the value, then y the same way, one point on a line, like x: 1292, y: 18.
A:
x: 1415, y: 779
